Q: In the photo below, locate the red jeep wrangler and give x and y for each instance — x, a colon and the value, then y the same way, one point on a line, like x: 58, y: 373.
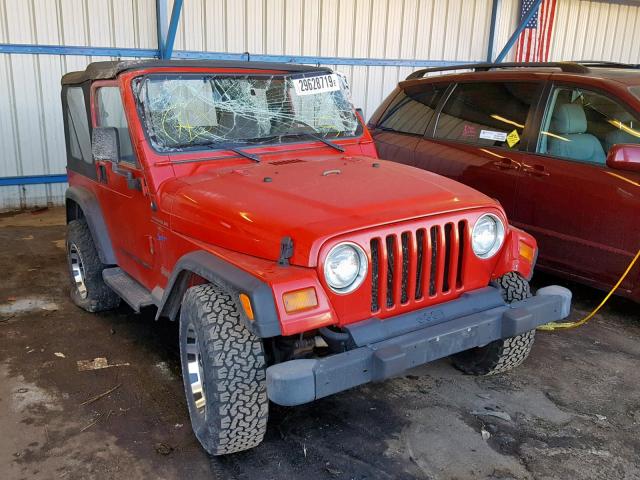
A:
x: 246, y: 199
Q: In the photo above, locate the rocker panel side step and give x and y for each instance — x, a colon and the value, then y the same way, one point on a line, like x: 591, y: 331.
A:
x: 127, y: 288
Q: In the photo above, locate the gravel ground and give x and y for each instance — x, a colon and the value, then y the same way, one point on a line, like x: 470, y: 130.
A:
x: 571, y: 411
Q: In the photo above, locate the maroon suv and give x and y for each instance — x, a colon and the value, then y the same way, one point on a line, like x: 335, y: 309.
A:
x: 557, y: 144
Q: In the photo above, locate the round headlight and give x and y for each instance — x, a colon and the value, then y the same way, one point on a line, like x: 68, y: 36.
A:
x: 487, y: 236
x: 345, y: 267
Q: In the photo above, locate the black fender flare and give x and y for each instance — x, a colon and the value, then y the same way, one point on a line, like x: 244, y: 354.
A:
x: 230, y: 278
x: 92, y: 212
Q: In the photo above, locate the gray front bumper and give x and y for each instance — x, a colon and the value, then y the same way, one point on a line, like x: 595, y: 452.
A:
x: 384, y: 348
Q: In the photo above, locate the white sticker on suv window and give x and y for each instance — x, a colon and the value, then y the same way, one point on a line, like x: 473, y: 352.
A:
x: 317, y: 84
x: 491, y: 135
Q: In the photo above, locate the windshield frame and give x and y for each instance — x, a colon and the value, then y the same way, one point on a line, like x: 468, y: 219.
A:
x: 295, y: 138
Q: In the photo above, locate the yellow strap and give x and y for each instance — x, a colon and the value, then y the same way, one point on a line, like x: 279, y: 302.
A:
x: 549, y: 327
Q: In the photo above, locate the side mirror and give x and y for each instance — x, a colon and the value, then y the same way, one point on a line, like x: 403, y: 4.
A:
x: 624, y: 157
x: 105, y: 144
x: 360, y: 112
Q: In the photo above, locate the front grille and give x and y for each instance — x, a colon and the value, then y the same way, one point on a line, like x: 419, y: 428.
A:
x: 412, y: 265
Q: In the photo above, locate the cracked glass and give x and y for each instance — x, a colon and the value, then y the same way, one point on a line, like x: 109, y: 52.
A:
x: 196, y: 111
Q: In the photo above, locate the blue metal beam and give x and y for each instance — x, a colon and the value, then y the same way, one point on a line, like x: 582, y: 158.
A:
x: 523, y: 22
x: 75, y: 50
x: 169, y: 40
x: 32, y: 180
x: 196, y: 55
x: 161, y: 24
x: 492, y: 30
x: 311, y: 60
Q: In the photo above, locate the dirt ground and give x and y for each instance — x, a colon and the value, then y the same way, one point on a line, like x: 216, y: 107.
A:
x: 572, y: 411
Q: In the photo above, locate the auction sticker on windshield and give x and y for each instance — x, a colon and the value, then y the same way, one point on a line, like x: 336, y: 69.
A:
x: 317, y: 84
x: 492, y: 135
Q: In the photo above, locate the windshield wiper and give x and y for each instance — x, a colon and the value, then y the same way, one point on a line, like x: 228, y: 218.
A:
x: 248, y: 155
x: 321, y: 139
x: 316, y: 137
x: 300, y: 134
x: 304, y: 134
x: 235, y: 150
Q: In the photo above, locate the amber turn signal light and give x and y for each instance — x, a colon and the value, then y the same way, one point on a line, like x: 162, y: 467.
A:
x: 527, y: 252
x: 298, y: 300
x: 246, y: 305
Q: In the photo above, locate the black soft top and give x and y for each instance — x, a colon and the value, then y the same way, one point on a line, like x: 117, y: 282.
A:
x: 109, y: 70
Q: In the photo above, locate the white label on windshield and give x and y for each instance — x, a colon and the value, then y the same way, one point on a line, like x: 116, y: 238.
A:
x: 318, y: 84
x: 491, y: 135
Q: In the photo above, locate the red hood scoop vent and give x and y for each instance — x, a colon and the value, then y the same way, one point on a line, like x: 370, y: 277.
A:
x: 286, y: 162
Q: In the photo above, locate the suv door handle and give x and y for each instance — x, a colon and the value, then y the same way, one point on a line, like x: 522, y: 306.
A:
x: 102, y: 172
x: 536, y: 170
x: 506, y: 164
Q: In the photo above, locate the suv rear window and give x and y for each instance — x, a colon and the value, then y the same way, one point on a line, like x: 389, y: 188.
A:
x: 412, y: 110
x: 487, y: 113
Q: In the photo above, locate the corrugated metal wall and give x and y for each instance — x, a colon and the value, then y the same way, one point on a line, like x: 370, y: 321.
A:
x: 592, y: 30
x: 31, y: 131
x: 30, y: 118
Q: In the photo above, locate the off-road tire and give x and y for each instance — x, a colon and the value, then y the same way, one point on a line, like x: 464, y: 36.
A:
x: 501, y: 355
x: 233, y: 370
x: 99, y: 296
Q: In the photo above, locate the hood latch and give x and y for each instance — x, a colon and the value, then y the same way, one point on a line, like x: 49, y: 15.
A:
x: 286, y: 250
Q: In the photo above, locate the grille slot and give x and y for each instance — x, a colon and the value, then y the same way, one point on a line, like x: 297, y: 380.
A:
x: 412, y: 265
x: 447, y: 258
x: 404, y: 296
x: 420, y: 267
x: 391, y: 254
x: 375, y: 247
x: 462, y: 241
x: 434, y: 260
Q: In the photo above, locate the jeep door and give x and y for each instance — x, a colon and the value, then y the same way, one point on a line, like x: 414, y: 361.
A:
x: 479, y: 135
x: 583, y: 213
x: 122, y: 191
x: 400, y: 128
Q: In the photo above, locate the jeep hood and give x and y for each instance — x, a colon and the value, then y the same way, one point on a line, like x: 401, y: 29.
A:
x: 250, y: 209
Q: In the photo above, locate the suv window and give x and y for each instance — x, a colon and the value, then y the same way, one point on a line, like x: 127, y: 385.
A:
x: 487, y: 113
x: 78, y: 125
x: 583, y: 125
x: 111, y: 114
x: 412, y: 110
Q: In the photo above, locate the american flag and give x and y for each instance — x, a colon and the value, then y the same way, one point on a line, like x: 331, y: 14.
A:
x: 535, y: 39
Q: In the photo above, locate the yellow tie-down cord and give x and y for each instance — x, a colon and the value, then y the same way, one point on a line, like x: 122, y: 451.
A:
x: 549, y: 327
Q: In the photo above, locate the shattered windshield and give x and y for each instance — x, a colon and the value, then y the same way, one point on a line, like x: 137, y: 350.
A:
x: 193, y: 111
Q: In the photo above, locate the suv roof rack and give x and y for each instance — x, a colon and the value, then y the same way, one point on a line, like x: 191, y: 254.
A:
x: 569, y: 67
x: 606, y: 64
